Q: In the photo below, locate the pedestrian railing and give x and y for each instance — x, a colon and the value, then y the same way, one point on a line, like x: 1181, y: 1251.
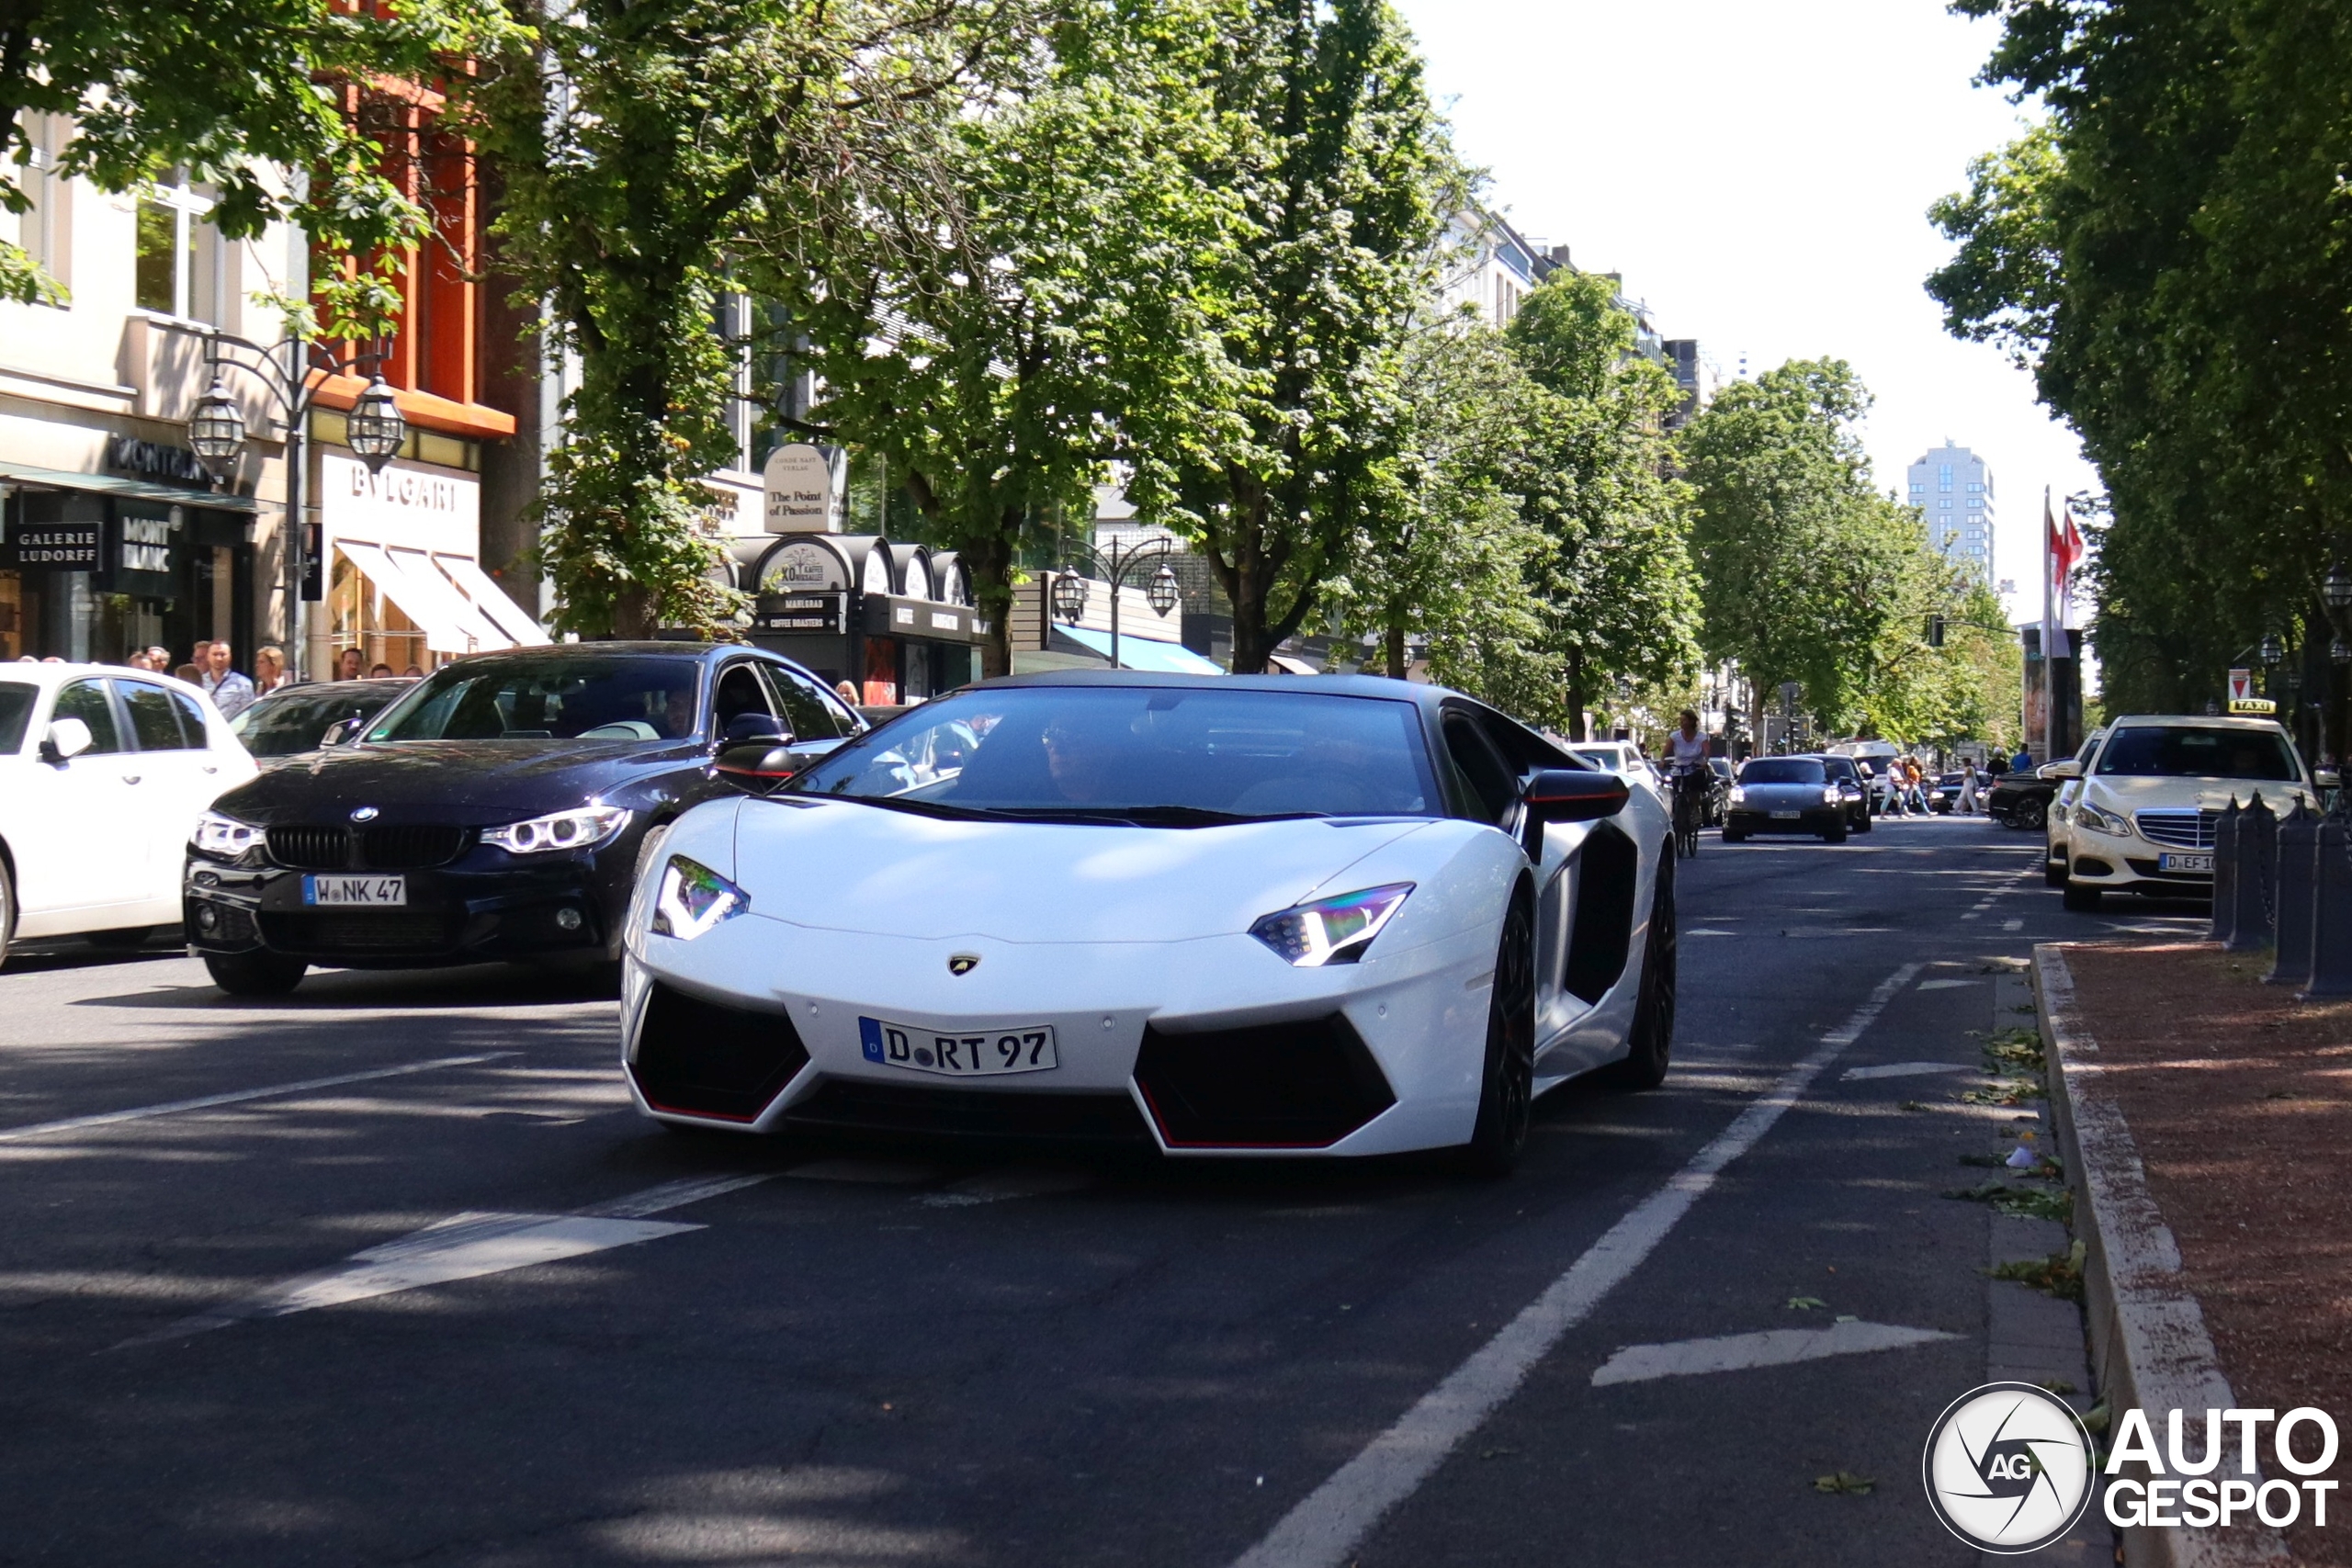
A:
x: 2286, y: 882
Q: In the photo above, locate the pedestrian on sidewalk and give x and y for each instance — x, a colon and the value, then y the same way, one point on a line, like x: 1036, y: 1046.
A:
x: 269, y: 668
x: 346, y: 664
x: 233, y: 694
x: 2023, y: 761
x: 1967, y: 805
x: 1917, y: 777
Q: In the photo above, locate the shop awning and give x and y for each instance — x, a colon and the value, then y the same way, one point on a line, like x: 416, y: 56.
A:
x: 1142, y: 653
x: 135, y: 490
x: 490, y: 600
x: 425, y: 597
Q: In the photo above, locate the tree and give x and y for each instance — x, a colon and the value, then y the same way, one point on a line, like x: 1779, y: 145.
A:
x: 1023, y: 302
x: 1613, y: 577
x: 235, y: 91
x: 2165, y: 252
x: 637, y: 142
x: 1339, y: 168
x: 1806, y: 570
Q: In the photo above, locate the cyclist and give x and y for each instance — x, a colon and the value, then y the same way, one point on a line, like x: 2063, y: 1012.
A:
x: 1686, y: 770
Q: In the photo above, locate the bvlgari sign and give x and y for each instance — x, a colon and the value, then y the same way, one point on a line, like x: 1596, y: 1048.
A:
x: 798, y: 483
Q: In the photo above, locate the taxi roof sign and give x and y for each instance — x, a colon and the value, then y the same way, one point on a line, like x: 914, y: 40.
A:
x: 2253, y: 705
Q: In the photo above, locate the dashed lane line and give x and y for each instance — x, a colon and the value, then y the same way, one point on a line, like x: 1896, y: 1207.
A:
x: 1328, y: 1523
x: 205, y: 1102
x: 1773, y: 1348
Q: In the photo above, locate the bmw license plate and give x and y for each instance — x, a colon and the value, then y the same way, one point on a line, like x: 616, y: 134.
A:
x: 356, y: 892
x: 1786, y: 816
x: 972, y: 1054
x: 2186, y: 863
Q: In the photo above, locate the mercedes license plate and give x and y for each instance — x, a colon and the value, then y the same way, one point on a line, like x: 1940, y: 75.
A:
x: 966, y: 1054
x: 356, y: 892
x: 2186, y: 863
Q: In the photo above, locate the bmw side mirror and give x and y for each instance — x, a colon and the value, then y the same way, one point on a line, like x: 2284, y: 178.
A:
x: 66, y: 737
x: 758, y: 768
x: 747, y: 727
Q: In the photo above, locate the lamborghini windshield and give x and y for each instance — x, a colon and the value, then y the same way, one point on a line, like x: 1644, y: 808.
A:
x: 1163, y: 755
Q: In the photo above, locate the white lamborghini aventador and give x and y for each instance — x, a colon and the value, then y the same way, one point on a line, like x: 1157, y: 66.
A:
x: 1326, y: 915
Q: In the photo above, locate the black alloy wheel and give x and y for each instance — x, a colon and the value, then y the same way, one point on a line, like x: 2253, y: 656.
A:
x: 1652, y: 1042
x: 1508, y: 1088
x: 2030, y: 815
x: 255, y: 974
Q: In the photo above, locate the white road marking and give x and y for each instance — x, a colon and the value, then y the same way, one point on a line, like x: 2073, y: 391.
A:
x: 1896, y: 1070
x: 463, y: 1247
x: 1328, y: 1522
x: 1708, y: 932
x: 1775, y: 1348
x: 2013, y: 925
x: 1946, y: 985
x: 882, y: 1172
x: 202, y: 1102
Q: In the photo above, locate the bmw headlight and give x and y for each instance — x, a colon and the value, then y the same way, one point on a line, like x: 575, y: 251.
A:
x: 582, y: 827
x: 218, y: 835
x: 1331, y: 930
x: 694, y: 898
x: 2101, y: 820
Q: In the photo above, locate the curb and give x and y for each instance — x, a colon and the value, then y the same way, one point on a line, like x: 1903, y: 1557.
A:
x: 2149, y: 1345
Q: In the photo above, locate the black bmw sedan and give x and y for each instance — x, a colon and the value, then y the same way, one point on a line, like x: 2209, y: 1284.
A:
x: 495, y: 811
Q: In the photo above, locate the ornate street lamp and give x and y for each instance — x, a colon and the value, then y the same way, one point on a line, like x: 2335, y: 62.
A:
x: 1069, y: 597
x: 2273, y: 650
x: 216, y: 432
x: 2337, y: 589
x: 1113, y: 565
x: 374, y: 426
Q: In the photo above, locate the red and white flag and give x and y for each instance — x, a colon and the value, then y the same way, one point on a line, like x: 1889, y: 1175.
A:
x: 2062, y: 554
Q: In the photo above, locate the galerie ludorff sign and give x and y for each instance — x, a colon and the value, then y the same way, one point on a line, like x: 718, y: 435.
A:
x: 801, y: 490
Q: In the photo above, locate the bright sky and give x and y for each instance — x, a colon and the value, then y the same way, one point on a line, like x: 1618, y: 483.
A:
x: 1760, y: 175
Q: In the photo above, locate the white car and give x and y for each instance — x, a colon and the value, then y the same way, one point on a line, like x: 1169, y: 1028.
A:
x: 1619, y: 757
x: 2058, y: 847
x: 2143, y: 816
x: 103, y: 774
x: 1213, y: 916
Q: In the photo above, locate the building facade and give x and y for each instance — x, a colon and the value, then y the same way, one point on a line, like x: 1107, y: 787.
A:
x: 118, y: 539
x: 1953, y: 488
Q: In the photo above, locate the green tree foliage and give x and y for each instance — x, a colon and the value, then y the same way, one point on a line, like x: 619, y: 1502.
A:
x: 636, y: 141
x: 1025, y: 301
x: 224, y: 89
x: 2166, y: 252
x: 1338, y: 163
x: 1615, y: 579
x: 1807, y: 573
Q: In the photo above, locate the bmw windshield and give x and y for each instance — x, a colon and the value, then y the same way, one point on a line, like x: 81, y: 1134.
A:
x: 624, y: 697
x: 1158, y: 756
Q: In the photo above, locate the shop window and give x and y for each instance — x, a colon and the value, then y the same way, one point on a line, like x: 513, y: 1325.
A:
x: 87, y: 701
x: 363, y: 620
x: 16, y: 629
x: 178, y: 266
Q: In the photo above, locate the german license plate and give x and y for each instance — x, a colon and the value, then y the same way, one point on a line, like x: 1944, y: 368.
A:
x: 356, y: 892
x: 2185, y: 862
x: 1786, y: 816
x: 967, y: 1054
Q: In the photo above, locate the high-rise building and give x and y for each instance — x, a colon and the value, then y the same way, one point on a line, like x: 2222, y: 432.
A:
x: 1952, y: 487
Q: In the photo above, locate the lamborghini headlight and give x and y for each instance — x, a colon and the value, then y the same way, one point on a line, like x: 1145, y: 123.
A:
x: 218, y: 835
x: 1331, y: 930
x: 582, y: 827
x: 693, y: 898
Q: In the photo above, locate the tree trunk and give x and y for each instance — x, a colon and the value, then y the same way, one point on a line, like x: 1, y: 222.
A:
x: 1395, y: 641
x: 1576, y: 695
x: 633, y: 618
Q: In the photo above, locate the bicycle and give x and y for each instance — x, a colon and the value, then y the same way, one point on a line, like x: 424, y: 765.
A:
x: 1689, y: 812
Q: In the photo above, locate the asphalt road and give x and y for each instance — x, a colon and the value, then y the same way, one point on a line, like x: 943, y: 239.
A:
x: 223, y: 1338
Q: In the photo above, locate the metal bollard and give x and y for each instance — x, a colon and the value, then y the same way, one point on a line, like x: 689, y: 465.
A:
x: 2225, y: 877
x: 2330, y: 911
x: 2257, y: 869
x: 2297, y: 842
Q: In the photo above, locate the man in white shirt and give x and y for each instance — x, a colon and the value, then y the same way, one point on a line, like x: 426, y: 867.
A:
x: 233, y: 694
